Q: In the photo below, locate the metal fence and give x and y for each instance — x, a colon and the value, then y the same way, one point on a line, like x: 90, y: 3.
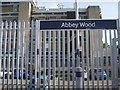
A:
x: 32, y: 58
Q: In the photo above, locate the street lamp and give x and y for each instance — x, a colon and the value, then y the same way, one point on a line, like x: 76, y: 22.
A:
x: 78, y: 68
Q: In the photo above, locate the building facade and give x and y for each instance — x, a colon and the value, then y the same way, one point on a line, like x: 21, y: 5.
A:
x: 27, y: 11
x: 16, y: 11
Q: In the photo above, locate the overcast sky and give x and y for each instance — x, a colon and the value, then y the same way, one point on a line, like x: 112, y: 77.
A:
x: 109, y: 8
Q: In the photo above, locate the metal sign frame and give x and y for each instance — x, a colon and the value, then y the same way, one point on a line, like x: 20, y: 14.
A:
x: 78, y: 24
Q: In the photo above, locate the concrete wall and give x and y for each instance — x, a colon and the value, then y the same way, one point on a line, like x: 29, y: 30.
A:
x: 93, y: 12
x: 24, y: 11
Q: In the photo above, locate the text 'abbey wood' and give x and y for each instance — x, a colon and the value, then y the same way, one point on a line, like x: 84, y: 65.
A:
x: 77, y: 25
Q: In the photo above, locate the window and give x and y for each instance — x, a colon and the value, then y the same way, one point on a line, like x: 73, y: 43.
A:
x: 58, y: 17
x: 5, y: 2
x: 14, y: 14
x: 15, y: 8
x: 47, y: 18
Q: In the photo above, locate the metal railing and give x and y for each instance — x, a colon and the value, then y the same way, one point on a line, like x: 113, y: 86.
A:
x: 29, y: 46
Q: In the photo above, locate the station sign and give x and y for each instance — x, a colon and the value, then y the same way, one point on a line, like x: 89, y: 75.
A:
x: 78, y: 24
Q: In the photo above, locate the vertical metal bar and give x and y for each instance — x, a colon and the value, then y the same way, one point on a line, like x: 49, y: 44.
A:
x: 54, y: 58
x: 38, y: 59
x: 37, y: 56
x: 92, y: 61
x: 107, y: 60
x: 115, y: 61
x: 31, y: 55
x: 103, y: 61
x: 27, y: 53
x: 49, y: 58
x: 22, y: 51
x: 78, y: 47
x: 35, y: 62
x: 44, y: 56
x: 111, y: 57
x: 1, y: 43
x: 97, y: 58
x: 37, y: 53
x: 76, y: 9
x: 87, y: 57
x: 83, y: 66
x: 118, y: 33
x: 59, y: 50
x: 101, y: 58
x: 13, y: 52
x: 68, y: 57
x: 73, y: 58
x: 18, y: 53
x: 9, y: 50
x: 4, y: 51
x: 40, y: 50
x: 63, y: 57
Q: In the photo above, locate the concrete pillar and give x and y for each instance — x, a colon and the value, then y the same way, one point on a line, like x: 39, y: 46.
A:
x: 96, y: 10
x: 25, y: 9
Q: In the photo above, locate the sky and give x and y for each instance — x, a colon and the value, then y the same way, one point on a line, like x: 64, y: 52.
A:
x: 109, y: 8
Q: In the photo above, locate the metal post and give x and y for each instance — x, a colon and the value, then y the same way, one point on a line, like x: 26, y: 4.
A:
x: 115, y: 60
x: 9, y: 48
x: 44, y: 58
x: 58, y: 44
x: 4, y: 50
x: 73, y: 58
x: 77, y: 33
x: 35, y: 62
x: 31, y: 54
x: 119, y: 40
x: 76, y: 9
x: 27, y: 53
x: 13, y: 52
x: 54, y: 58
x: 49, y: 59
x: 68, y: 59
x: 78, y: 72
x: 78, y: 79
x: 1, y: 36
x: 18, y: 51
x: 22, y: 52
x: 63, y: 59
